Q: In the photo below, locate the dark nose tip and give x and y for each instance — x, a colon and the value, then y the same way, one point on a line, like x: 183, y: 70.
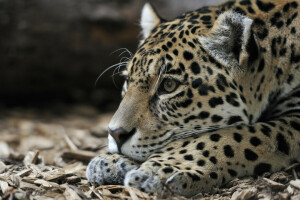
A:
x: 121, y: 135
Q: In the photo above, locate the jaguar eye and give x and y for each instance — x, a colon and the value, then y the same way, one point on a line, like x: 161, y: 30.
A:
x: 169, y: 85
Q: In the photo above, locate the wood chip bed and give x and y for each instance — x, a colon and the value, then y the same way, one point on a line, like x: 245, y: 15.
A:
x: 44, y: 156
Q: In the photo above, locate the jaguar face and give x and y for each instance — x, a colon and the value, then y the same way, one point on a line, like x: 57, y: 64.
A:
x: 176, y: 88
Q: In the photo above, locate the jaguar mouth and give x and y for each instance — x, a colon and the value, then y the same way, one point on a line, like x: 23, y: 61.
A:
x: 124, y: 137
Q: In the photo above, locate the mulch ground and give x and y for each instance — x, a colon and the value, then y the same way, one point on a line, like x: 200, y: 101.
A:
x: 44, y: 156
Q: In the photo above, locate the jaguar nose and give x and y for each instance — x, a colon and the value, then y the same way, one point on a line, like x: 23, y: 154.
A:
x: 121, y: 135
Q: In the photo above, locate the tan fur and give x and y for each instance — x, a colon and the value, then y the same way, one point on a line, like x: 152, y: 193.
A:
x: 236, y: 108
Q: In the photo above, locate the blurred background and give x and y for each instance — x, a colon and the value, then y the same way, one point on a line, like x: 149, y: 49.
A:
x: 52, y: 51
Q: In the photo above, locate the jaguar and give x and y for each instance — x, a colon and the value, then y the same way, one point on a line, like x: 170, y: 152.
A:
x: 209, y: 96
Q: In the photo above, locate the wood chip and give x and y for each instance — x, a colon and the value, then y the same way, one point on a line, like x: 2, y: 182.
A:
x: 274, y: 185
x: 4, y: 150
x: 15, y: 180
x: 28, y: 186
x: 281, y: 177
x: 293, y: 166
x: 70, y: 194
x: 63, y: 177
x: 31, y: 158
x: 29, y: 143
x: 44, y: 197
x: 80, y: 155
x: 290, y: 189
x: 264, y: 196
x: 96, y: 192
x: 53, y: 195
x: 295, y: 183
x: 8, y: 137
x: 4, y: 186
x: 55, y: 174
x: 29, y: 179
x: 73, y: 179
x: 244, y: 194
x: 24, y: 172
x: 284, y: 195
x: 296, y: 197
x: 43, y: 183
x: 132, y: 194
x: 140, y: 194
x: 110, y: 187
x: 79, y: 192
x: 3, y: 167
x: 71, y: 145
x: 75, y: 167
x: 20, y: 195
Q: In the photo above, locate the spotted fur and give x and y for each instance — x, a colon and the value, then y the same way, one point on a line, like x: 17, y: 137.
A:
x: 235, y: 110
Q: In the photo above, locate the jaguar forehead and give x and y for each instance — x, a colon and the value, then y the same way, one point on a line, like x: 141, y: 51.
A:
x: 144, y: 65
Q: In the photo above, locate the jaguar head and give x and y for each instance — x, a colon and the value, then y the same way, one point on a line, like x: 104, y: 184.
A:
x: 182, y: 81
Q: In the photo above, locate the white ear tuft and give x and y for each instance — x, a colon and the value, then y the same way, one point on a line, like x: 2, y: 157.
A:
x: 228, y: 37
x: 149, y: 20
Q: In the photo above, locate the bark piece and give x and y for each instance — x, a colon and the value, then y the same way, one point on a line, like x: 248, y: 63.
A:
x: 295, y: 183
x: 274, y: 185
x: 244, y: 194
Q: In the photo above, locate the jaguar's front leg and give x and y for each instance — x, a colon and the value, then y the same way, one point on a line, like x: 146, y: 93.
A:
x: 184, y: 166
x: 109, y: 169
x: 196, y: 165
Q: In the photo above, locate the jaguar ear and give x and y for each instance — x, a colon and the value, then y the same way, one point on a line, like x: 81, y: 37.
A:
x: 229, y: 38
x: 149, y: 19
